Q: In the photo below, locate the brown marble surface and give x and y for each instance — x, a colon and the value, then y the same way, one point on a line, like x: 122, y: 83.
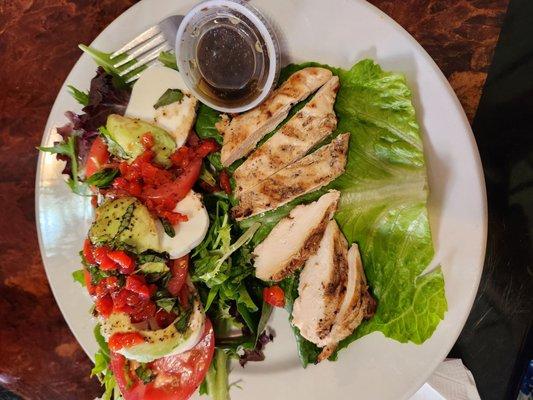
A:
x: 39, y: 357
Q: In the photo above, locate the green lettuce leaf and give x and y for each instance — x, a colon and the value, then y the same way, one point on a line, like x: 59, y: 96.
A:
x: 383, y: 203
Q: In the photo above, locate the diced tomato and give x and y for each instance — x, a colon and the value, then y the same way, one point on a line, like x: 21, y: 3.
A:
x: 173, y: 217
x: 137, y: 284
x: 125, y: 301
x: 88, y: 251
x: 178, y: 270
x: 120, y: 340
x: 147, y: 140
x: 135, y: 188
x: 145, y: 310
x: 125, y: 262
x: 164, y: 318
x: 103, y: 260
x: 121, y: 183
x: 274, y: 296
x: 183, y: 372
x: 89, y: 283
x: 104, y: 305
x: 107, y: 285
x: 94, y: 201
x: 224, y: 181
x: 98, y: 156
x: 181, y: 157
x: 206, y: 147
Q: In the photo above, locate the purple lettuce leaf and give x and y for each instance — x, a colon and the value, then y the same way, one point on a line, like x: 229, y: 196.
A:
x: 104, y: 99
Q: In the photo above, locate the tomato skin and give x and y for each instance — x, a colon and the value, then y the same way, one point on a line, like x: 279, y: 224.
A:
x: 89, y: 283
x: 120, y: 340
x: 98, y: 156
x: 178, y: 270
x: 224, y: 181
x: 185, y: 371
x: 107, y: 285
x: 206, y: 147
x: 274, y: 296
x: 88, y: 250
x: 137, y: 284
x: 104, y: 305
x: 147, y: 140
x: 164, y: 318
x: 102, y: 258
x: 125, y: 262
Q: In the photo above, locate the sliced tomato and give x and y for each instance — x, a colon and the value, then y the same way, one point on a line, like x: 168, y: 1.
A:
x: 98, y: 156
x: 178, y: 270
x: 274, y: 296
x: 182, y: 373
x: 177, y: 189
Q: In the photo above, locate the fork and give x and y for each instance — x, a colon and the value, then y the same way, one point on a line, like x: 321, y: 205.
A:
x: 146, y: 47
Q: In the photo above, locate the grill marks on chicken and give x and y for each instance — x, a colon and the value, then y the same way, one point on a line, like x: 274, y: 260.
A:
x: 309, y: 126
x: 294, y: 239
x: 333, y: 294
x: 242, y: 132
x: 322, y: 287
x: 304, y: 176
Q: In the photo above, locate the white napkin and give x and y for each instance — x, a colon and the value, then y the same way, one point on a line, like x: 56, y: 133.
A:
x: 450, y: 381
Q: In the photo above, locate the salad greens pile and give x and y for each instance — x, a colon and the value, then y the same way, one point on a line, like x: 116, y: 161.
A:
x: 382, y: 208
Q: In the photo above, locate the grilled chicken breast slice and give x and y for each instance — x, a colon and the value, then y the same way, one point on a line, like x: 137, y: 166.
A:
x: 322, y: 287
x: 306, y: 175
x: 309, y: 126
x: 242, y: 133
x: 358, y: 304
x: 294, y: 239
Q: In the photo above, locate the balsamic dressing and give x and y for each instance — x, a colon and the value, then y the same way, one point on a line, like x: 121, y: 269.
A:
x: 226, y: 62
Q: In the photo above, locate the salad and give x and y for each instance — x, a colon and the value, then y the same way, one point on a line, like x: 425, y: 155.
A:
x: 314, y: 201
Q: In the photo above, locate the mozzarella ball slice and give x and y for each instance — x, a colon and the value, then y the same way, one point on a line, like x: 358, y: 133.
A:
x: 176, y: 118
x: 188, y: 234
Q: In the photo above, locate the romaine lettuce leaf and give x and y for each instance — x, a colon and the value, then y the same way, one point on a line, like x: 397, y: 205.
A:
x: 383, y: 203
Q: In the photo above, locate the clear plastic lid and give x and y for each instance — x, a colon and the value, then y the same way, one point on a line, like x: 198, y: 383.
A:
x: 228, y: 55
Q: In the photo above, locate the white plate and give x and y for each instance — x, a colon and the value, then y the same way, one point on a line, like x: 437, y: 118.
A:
x: 339, y: 33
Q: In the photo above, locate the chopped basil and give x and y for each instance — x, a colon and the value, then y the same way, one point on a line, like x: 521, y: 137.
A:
x: 154, y: 267
x: 147, y: 257
x: 79, y: 277
x: 144, y: 373
x: 126, y: 220
x: 169, y: 97
x: 166, y: 304
x: 183, y: 320
x: 169, y: 229
x: 96, y: 274
x: 103, y: 178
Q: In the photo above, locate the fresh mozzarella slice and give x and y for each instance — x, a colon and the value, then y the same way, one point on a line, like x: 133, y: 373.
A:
x: 188, y: 234
x: 176, y: 118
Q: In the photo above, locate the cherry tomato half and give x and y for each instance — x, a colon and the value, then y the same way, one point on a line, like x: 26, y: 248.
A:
x: 274, y: 296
